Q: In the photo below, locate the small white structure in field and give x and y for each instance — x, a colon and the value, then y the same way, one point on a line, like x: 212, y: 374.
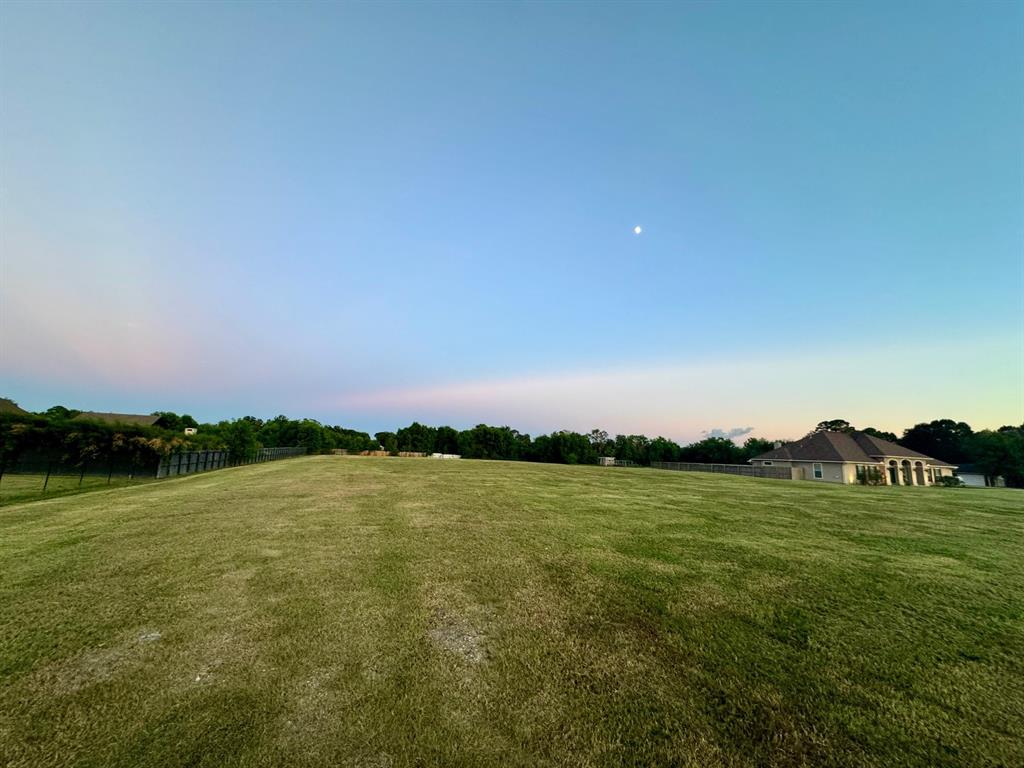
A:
x: 190, y: 430
x: 446, y: 456
x: 607, y: 461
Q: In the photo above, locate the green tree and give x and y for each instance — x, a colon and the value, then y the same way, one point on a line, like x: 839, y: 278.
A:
x: 310, y: 434
x: 486, y: 442
x: 941, y: 439
x: 635, y: 448
x: 880, y: 434
x: 60, y: 412
x: 239, y: 438
x: 999, y: 453
x: 446, y: 440
x: 417, y: 438
x: 755, y: 446
x: 351, y: 439
x: 834, y: 425
x: 712, y: 450
x: 599, y: 440
x: 663, y: 449
x: 388, y: 441
x: 279, y: 432
x: 169, y: 420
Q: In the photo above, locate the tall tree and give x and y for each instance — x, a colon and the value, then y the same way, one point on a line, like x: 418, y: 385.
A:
x: 880, y: 434
x: 388, y: 441
x: 599, y: 440
x: 941, y: 439
x: 663, y: 449
x: 712, y: 450
x: 999, y: 453
x: 755, y: 446
x: 446, y: 440
x: 60, y: 412
x: 417, y: 437
x: 239, y: 437
x: 834, y: 425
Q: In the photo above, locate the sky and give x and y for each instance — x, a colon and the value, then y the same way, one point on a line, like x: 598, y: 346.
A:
x: 374, y: 213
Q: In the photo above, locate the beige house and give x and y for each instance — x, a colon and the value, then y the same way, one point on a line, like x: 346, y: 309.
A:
x: 854, y: 457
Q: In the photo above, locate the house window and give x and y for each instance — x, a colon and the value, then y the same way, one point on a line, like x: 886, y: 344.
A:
x: 766, y: 463
x: 818, y: 474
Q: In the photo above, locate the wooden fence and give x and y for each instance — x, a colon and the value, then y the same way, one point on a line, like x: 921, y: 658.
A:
x: 744, y: 470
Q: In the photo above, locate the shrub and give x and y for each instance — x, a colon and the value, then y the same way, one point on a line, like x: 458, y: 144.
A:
x: 870, y: 476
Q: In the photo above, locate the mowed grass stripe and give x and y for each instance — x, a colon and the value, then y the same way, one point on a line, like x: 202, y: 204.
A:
x: 354, y: 611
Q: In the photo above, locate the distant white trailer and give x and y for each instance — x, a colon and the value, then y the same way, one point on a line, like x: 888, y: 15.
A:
x: 445, y: 456
x: 607, y: 461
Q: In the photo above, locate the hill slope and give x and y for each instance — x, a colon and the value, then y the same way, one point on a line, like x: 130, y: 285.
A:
x: 347, y: 611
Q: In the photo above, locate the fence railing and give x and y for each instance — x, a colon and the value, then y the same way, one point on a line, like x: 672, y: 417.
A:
x: 194, y: 461
x: 39, y: 473
x: 744, y: 470
x: 203, y: 461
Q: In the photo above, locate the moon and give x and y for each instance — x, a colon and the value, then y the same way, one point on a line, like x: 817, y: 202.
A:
x: 637, y: 230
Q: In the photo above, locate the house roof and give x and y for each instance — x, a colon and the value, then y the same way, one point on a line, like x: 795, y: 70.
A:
x: 118, y: 418
x: 876, y: 446
x: 9, y: 406
x: 856, y: 447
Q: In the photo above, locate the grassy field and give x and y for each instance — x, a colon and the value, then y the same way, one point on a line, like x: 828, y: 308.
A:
x: 335, y: 611
x: 19, y: 488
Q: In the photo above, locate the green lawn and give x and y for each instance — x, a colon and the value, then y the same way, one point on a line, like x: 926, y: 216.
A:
x: 19, y: 488
x: 338, y: 611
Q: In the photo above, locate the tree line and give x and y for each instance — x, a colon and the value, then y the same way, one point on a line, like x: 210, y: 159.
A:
x: 994, y: 452
x: 56, y: 435
x: 564, y: 446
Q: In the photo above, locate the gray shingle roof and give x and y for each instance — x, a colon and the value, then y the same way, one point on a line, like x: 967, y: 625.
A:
x: 876, y: 446
x: 118, y: 418
x: 856, y: 447
x: 9, y: 406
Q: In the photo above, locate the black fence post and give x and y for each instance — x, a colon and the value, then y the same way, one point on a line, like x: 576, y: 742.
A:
x: 46, y: 482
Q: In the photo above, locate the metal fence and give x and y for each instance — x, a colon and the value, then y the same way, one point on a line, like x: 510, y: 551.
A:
x: 203, y: 461
x: 744, y: 470
x: 194, y: 461
x: 49, y: 465
x: 34, y: 473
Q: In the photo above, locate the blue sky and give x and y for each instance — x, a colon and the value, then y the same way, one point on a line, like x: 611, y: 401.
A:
x: 373, y: 213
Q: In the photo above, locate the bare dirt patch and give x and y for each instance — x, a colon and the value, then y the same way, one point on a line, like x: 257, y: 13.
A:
x: 456, y: 636
x: 94, y: 665
x: 458, y: 623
